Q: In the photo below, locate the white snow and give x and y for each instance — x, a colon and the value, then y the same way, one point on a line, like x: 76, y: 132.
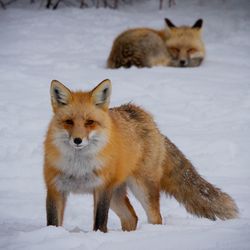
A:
x: 205, y: 111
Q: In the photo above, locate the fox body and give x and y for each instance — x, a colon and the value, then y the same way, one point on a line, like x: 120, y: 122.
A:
x: 173, y: 46
x: 90, y: 148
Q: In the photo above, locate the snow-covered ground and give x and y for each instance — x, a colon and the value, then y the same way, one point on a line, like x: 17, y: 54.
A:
x: 205, y: 111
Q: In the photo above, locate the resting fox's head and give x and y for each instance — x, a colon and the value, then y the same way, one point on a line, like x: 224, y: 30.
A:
x: 80, y: 119
x: 185, y: 44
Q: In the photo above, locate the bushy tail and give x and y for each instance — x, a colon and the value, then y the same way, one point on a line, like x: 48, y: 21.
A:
x: 111, y: 64
x: 181, y: 180
x: 126, y: 55
x: 122, y: 61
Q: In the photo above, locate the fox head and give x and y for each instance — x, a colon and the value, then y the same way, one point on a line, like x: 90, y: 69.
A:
x: 185, y: 44
x: 80, y: 119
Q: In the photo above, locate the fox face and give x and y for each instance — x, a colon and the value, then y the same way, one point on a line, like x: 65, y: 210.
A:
x: 185, y: 45
x: 80, y: 123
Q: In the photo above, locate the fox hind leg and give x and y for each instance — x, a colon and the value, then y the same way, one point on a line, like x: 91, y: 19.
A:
x: 148, y: 194
x: 120, y: 204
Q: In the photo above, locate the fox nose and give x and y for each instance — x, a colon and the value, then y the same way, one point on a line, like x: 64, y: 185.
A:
x: 77, y: 140
x: 182, y: 63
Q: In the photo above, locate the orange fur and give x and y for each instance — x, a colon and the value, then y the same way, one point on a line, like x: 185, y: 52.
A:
x: 143, y: 47
x: 91, y: 148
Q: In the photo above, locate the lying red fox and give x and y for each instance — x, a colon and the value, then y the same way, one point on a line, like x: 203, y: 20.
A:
x: 174, y: 46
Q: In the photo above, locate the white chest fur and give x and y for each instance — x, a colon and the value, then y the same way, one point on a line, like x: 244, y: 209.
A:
x: 83, y: 184
x: 78, y: 171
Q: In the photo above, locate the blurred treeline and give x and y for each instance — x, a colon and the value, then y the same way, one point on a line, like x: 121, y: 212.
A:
x: 114, y: 4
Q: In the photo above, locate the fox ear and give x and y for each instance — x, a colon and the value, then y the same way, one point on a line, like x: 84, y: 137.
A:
x: 198, y: 24
x: 169, y: 23
x: 101, y: 94
x: 60, y: 95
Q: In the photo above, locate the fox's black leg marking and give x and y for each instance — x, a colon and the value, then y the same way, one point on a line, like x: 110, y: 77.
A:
x: 52, y: 215
x: 101, y: 211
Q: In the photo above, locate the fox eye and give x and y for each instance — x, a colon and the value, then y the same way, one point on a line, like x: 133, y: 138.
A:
x: 175, y: 50
x: 190, y: 51
x: 89, y: 122
x: 69, y: 122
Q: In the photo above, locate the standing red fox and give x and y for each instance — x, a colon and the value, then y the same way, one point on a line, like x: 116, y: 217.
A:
x: 91, y: 148
x: 173, y: 46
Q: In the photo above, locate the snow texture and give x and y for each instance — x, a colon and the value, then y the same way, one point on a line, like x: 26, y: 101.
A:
x: 205, y: 111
